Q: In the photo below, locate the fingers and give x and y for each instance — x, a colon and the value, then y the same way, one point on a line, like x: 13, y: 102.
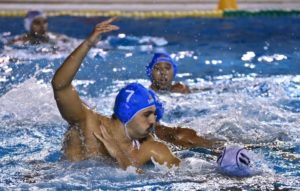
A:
x: 112, y: 19
x: 98, y: 136
x: 107, y: 22
x: 114, y: 27
x: 105, y: 137
x: 104, y: 132
x: 106, y: 28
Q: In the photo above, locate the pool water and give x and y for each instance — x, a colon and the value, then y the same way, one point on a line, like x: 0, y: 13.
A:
x: 249, y: 67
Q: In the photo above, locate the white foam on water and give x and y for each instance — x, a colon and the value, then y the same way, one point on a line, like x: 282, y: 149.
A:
x: 30, y: 101
x: 241, y: 110
x: 25, y: 53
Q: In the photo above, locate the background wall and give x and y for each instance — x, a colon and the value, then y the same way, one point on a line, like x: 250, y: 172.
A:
x: 143, y: 5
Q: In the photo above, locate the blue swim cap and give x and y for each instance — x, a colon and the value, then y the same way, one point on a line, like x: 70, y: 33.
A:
x: 133, y: 98
x: 157, y: 58
x: 159, y: 106
x: 235, y: 161
x: 30, y: 16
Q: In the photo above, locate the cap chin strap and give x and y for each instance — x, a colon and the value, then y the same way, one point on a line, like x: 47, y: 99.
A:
x: 135, y: 143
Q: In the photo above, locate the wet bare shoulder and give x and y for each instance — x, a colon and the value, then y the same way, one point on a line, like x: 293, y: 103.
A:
x: 180, y: 88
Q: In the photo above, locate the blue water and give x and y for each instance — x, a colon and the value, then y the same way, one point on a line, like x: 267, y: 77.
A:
x: 250, y: 64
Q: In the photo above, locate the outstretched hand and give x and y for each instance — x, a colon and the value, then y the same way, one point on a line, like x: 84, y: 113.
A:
x: 105, y: 26
x: 107, y: 139
x: 113, y: 148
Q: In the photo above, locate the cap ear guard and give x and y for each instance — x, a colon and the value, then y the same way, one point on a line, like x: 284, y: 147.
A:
x: 120, y: 113
x: 159, y: 112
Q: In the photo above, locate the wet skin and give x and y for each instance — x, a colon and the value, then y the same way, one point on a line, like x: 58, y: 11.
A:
x: 92, y: 134
x: 162, y: 74
x: 142, y: 123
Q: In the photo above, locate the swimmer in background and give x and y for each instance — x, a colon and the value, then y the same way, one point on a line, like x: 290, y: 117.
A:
x: 128, y: 135
x: 36, y: 25
x: 161, y: 71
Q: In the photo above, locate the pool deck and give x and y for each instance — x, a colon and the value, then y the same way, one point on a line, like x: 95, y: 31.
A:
x: 143, y: 5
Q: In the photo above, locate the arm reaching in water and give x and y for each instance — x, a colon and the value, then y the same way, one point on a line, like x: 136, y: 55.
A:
x: 184, y: 137
x: 70, y: 106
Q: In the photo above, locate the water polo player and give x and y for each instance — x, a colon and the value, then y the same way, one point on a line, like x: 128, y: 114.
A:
x: 36, y: 26
x: 127, y: 135
x: 161, y: 71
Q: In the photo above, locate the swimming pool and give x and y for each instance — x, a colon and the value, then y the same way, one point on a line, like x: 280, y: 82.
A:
x: 250, y: 64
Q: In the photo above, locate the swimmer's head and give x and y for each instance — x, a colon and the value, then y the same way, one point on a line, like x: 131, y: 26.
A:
x: 161, y: 70
x: 36, y: 22
x: 138, y: 109
x: 236, y: 161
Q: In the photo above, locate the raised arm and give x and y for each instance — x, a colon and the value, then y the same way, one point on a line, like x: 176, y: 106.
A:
x: 69, y: 104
